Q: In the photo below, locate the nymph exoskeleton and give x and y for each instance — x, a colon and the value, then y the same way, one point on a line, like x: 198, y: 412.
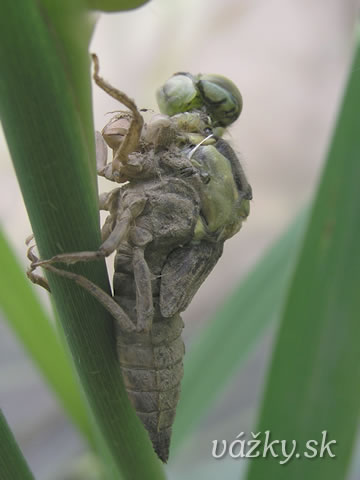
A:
x: 186, y: 194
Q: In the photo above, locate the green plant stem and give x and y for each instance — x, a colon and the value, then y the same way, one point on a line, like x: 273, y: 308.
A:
x: 13, y: 465
x: 46, y: 112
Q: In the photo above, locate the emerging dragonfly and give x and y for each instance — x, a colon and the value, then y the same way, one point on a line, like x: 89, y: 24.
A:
x: 186, y: 194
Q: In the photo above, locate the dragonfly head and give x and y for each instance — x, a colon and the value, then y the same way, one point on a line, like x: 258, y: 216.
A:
x: 215, y: 95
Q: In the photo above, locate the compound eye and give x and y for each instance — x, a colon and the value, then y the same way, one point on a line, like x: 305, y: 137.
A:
x: 221, y: 97
x: 178, y: 94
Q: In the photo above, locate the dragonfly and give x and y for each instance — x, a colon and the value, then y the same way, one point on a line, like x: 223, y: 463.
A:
x: 182, y: 193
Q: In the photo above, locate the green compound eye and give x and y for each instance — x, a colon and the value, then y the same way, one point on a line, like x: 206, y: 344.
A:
x: 216, y: 95
x: 221, y: 97
x: 178, y: 94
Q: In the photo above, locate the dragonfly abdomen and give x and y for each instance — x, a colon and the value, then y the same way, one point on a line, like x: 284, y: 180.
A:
x: 151, y: 365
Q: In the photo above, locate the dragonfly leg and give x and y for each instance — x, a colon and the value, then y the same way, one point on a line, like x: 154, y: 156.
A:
x: 121, y: 224
x: 144, y: 299
x: 104, y: 298
x: 130, y: 142
x: 32, y: 276
x: 106, y: 248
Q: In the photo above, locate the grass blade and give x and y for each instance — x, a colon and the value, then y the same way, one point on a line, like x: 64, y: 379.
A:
x: 12, y: 463
x: 30, y: 323
x: 314, y: 380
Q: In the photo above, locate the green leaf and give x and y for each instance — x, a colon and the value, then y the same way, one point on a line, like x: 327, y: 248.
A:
x: 12, y: 463
x: 30, y: 323
x: 314, y: 379
x: 114, y: 5
x: 234, y: 331
x: 46, y: 112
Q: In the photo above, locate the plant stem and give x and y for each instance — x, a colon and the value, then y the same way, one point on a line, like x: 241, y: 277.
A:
x: 46, y: 112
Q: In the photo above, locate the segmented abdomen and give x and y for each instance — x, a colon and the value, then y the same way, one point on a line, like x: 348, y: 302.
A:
x: 151, y: 364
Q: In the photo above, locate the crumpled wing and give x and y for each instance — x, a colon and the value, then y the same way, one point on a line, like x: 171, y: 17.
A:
x: 185, y: 270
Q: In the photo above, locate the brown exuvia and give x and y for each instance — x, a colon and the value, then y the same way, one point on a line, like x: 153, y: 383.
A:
x: 186, y: 193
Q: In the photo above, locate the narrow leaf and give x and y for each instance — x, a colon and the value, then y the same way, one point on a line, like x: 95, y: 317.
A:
x: 314, y: 381
x: 12, y: 463
x: 30, y: 323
